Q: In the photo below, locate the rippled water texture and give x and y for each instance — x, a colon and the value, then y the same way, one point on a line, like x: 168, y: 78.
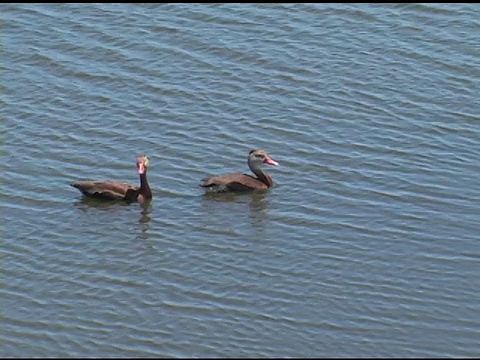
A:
x: 367, y: 246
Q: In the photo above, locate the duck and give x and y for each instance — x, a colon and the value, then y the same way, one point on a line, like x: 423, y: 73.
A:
x: 116, y: 190
x: 238, y: 182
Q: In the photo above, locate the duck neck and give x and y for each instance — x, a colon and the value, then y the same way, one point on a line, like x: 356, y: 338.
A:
x: 144, y: 187
x: 262, y: 176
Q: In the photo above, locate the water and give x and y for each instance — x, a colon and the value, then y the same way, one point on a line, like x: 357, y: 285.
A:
x: 368, y: 245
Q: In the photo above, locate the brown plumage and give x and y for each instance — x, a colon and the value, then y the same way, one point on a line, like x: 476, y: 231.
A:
x: 238, y: 182
x: 116, y: 190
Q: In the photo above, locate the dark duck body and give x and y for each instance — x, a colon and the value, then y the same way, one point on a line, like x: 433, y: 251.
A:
x: 116, y: 190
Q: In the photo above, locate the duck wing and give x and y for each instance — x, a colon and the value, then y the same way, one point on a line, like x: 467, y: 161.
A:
x: 235, y: 182
x: 108, y: 189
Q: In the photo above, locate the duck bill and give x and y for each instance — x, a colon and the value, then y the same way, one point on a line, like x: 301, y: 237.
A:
x: 141, y: 168
x: 270, y: 161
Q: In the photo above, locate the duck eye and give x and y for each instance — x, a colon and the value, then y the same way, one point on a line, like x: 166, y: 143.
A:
x: 260, y: 156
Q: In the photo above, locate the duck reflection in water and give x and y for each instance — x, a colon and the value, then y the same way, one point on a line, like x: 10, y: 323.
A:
x: 257, y: 201
x: 144, y: 220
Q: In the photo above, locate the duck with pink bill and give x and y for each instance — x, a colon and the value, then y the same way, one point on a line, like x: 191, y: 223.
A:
x: 238, y: 182
x: 116, y: 190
